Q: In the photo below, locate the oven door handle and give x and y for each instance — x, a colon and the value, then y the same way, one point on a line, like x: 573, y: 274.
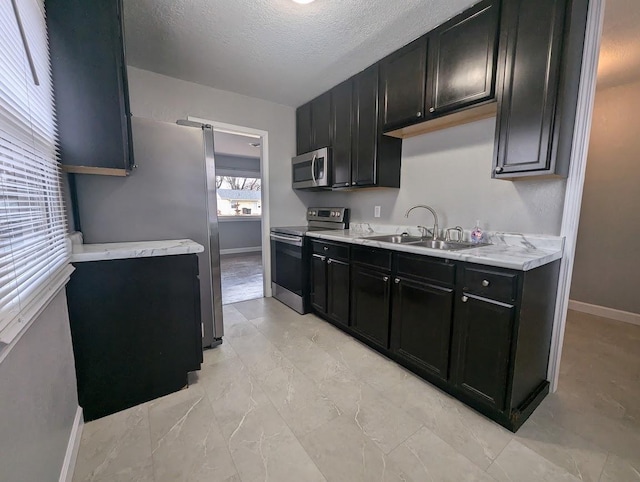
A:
x: 283, y: 238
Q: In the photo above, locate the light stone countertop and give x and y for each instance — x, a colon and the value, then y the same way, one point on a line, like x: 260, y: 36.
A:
x: 507, y: 250
x: 137, y: 249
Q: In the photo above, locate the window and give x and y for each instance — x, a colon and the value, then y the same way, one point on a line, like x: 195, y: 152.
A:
x: 33, y: 247
x: 239, y: 196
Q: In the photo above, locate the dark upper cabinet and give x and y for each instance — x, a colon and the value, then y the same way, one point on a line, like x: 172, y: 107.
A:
x: 421, y: 324
x: 319, y: 282
x: 338, y: 291
x: 341, y: 120
x: 375, y: 159
x: 540, y: 60
x: 313, y: 124
x: 321, y: 121
x: 462, y: 59
x: 365, y: 129
x: 90, y: 85
x: 403, y: 84
x: 483, y: 329
x: 303, y: 128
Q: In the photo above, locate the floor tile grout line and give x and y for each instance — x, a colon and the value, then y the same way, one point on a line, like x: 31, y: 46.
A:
x: 153, y: 462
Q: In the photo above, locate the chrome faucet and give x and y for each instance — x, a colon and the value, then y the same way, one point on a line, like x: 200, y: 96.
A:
x: 435, y: 217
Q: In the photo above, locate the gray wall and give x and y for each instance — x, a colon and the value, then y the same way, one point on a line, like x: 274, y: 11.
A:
x: 607, y: 264
x: 240, y: 234
x: 451, y: 171
x: 38, y: 399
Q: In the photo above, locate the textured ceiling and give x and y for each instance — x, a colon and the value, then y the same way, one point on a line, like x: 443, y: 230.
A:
x: 235, y: 145
x: 275, y: 50
x: 620, y: 52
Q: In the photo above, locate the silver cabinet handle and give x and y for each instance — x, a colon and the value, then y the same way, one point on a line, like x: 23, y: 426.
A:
x: 499, y: 169
x: 432, y: 109
x: 353, y: 183
x: 329, y: 261
x: 485, y: 283
x: 465, y: 299
x: 326, y: 248
x: 385, y: 279
x: 397, y: 280
x: 418, y: 114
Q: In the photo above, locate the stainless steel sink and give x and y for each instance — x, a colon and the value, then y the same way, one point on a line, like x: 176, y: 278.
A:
x: 396, y: 238
x: 446, y: 245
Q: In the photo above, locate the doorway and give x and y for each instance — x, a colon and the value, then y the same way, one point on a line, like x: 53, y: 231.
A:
x: 238, y: 157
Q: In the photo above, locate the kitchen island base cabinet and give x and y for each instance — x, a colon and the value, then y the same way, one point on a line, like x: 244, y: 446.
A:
x: 135, y: 328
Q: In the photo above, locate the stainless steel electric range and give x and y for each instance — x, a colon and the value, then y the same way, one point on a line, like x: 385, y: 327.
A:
x: 289, y: 255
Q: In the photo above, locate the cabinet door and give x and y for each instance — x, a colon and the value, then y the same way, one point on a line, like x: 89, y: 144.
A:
x: 90, y: 84
x: 421, y: 324
x: 532, y: 41
x: 365, y: 135
x: 341, y: 119
x: 402, y: 80
x: 303, y: 128
x: 370, y: 303
x: 482, y: 345
x: 321, y: 121
x: 462, y: 59
x: 338, y: 291
x: 319, y: 283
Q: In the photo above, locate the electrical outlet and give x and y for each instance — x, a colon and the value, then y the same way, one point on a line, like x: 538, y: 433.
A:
x: 376, y: 211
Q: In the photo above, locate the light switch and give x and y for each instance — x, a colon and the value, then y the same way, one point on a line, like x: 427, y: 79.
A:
x: 376, y: 212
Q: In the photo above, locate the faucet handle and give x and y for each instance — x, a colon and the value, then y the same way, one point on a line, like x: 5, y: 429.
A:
x: 459, y: 230
x: 424, y: 231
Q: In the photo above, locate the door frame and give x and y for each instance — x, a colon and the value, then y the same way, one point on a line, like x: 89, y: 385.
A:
x: 264, y: 190
x: 575, y: 180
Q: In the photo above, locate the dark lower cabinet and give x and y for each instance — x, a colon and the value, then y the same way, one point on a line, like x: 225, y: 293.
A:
x: 480, y: 333
x: 135, y: 328
x: 370, y: 304
x: 330, y: 281
x: 319, y: 282
x: 338, y: 291
x: 421, y: 324
x: 483, y: 330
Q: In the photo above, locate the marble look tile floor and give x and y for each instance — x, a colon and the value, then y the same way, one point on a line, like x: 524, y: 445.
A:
x: 291, y: 398
x: 241, y: 276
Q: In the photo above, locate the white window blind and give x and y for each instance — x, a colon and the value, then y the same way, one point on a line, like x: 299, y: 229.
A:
x: 32, y: 220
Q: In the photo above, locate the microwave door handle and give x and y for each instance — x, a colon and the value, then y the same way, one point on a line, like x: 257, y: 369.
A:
x: 313, y: 169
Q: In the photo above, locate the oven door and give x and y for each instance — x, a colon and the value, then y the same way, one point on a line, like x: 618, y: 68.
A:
x: 288, y: 270
x: 311, y: 170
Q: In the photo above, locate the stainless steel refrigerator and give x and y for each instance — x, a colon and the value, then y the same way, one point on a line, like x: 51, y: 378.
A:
x: 170, y: 194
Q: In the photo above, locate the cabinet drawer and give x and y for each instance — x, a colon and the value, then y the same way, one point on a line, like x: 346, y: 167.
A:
x: 331, y: 250
x: 423, y: 267
x: 497, y: 285
x: 378, y: 258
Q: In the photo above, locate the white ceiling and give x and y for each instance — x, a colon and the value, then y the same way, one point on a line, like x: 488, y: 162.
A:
x: 620, y: 52
x: 235, y: 145
x: 275, y: 50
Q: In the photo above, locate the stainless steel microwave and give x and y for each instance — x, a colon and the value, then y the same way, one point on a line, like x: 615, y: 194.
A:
x: 312, y: 170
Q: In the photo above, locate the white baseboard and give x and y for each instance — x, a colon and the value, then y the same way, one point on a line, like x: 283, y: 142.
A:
x: 611, y: 313
x: 251, y: 249
x: 69, y: 464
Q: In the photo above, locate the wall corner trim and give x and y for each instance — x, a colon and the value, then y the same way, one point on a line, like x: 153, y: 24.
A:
x: 69, y: 463
x: 611, y: 313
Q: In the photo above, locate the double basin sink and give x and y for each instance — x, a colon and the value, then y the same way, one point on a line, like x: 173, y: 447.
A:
x: 424, y: 242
